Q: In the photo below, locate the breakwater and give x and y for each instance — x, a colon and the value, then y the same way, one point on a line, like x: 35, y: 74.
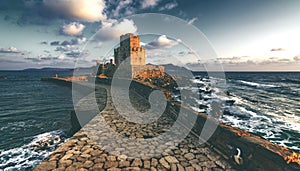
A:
x: 85, y: 153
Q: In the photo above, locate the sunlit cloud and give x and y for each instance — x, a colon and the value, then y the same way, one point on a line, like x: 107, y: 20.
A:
x: 73, y: 29
x: 113, y: 29
x: 83, y: 10
x: 162, y: 42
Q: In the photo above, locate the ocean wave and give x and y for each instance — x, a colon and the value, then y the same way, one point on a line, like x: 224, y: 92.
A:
x: 28, y: 156
x: 257, y: 85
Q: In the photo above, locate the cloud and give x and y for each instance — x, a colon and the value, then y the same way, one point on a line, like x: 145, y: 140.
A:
x: 73, y: 29
x: 67, y: 48
x: 41, y: 58
x: 77, y: 54
x: 9, y: 50
x: 77, y: 41
x: 168, y: 6
x: 113, y: 29
x: 162, y: 42
x: 149, y: 3
x: 190, y: 52
x: 297, y: 58
x: 54, y: 43
x: 83, y: 10
x: 123, y: 7
x: 191, y: 21
x: 277, y: 49
x: 44, y: 43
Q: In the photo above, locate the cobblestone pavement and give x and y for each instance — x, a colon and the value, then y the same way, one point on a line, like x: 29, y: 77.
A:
x: 108, y: 142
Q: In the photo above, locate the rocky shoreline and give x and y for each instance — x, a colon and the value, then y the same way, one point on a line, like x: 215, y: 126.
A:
x: 89, y: 149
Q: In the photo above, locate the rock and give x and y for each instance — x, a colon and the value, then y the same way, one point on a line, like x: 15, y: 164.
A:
x: 82, y: 169
x: 46, y: 166
x: 114, y: 169
x: 124, y: 163
x: 201, y: 157
x: 65, y: 163
x: 171, y: 159
x: 206, y: 169
x: 85, y: 156
x: 222, y: 164
x: 60, y: 169
x: 68, y: 156
x: 110, y: 164
x: 185, y: 164
x: 122, y: 157
x: 88, y: 164
x: 180, y: 168
x: 164, y: 163
x: 98, y: 166
x: 95, y: 153
x: 71, y: 168
x: 154, y: 162
x: 197, y: 167
x: 189, y: 156
x: 153, y: 169
x: 213, y: 157
x: 111, y: 158
x: 132, y: 169
x: 101, y: 159
x: 147, y: 164
x: 137, y: 163
x: 208, y: 164
x: 173, y: 167
x: 189, y: 168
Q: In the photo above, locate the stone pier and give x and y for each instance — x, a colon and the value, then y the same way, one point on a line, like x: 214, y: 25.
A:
x: 108, y: 142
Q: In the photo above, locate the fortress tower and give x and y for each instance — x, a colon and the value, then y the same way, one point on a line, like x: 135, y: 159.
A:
x: 130, y: 48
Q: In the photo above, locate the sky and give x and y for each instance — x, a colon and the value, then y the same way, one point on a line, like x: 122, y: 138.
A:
x: 241, y: 35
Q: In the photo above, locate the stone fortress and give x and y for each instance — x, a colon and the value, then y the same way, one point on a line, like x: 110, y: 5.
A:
x: 130, y: 47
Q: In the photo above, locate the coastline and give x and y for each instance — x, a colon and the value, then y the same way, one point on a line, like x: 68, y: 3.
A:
x: 257, y: 153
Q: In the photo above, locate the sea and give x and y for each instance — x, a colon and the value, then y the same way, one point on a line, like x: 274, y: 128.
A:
x: 264, y: 103
x: 35, y: 115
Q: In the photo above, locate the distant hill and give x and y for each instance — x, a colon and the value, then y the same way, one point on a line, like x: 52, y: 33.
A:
x: 48, y: 69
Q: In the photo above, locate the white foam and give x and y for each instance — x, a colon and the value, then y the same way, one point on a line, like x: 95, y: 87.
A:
x: 253, y: 84
x: 29, y: 155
